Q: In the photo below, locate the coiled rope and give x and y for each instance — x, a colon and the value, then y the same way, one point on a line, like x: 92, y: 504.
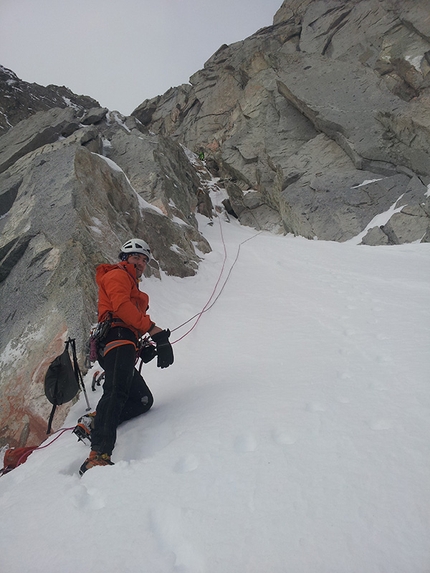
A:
x: 29, y: 450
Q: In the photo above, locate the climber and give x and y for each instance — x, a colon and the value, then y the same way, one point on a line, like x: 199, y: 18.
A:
x: 125, y: 393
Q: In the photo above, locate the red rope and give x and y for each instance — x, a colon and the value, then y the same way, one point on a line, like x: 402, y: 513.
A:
x: 207, y: 307
x: 200, y: 314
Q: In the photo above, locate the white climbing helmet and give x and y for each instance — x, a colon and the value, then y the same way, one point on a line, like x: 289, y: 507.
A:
x: 135, y: 246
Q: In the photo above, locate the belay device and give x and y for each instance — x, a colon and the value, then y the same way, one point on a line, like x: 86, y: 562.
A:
x: 63, y: 379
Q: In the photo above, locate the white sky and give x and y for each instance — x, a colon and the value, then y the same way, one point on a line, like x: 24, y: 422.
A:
x: 121, y: 53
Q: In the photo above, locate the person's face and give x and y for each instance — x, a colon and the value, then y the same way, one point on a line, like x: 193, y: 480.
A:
x: 139, y: 261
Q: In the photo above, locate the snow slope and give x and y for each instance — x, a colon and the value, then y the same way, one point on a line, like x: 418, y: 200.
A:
x: 290, y: 435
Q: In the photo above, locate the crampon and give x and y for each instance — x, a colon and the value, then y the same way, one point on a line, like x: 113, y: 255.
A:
x: 84, y: 427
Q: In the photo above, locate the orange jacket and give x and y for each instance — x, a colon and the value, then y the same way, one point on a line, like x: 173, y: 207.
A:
x: 120, y: 295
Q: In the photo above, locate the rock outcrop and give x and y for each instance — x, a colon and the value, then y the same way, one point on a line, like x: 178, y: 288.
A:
x: 20, y: 100
x: 336, y: 93
x: 74, y: 185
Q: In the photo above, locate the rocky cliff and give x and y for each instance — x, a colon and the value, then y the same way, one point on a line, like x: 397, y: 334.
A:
x: 75, y: 183
x: 19, y: 99
x: 313, y: 126
x: 318, y: 123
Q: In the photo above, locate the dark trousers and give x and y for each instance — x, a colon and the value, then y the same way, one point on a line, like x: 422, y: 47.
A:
x: 125, y: 396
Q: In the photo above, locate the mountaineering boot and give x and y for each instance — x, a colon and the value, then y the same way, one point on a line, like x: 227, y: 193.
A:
x: 84, y: 427
x: 95, y: 459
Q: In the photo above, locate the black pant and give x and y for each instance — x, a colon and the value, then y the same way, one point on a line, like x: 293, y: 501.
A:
x: 125, y: 396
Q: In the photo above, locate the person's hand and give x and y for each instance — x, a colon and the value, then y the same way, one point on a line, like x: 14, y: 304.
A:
x: 164, y: 348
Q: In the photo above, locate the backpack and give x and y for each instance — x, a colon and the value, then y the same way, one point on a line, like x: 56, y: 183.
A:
x: 62, y: 380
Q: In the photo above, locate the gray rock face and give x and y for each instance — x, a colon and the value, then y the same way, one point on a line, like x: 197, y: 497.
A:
x: 40, y: 129
x: 335, y: 93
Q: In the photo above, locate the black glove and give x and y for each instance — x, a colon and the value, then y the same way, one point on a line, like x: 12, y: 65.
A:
x: 164, y: 348
x: 147, y: 352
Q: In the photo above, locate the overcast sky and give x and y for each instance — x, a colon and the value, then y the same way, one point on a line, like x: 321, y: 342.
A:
x: 121, y: 52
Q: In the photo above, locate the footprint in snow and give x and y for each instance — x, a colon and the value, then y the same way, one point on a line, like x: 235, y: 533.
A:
x: 245, y: 443
x: 283, y: 438
x: 380, y: 424
x: 166, y: 521
x: 186, y: 464
x: 315, y: 407
x: 87, y: 498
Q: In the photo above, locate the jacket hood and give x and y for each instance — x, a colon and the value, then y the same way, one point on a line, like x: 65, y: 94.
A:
x: 103, y: 269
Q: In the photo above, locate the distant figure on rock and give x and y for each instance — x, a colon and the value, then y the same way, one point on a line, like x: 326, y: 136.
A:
x: 122, y: 308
